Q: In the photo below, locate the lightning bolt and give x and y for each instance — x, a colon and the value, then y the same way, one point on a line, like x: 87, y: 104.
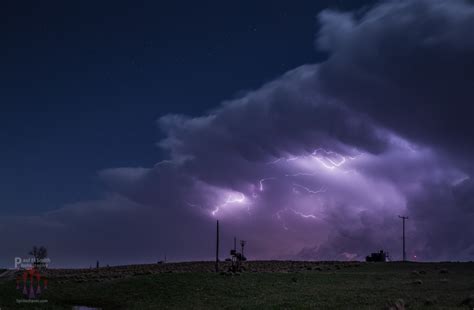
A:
x: 279, y: 217
x: 329, y: 160
x: 321, y: 190
x: 306, y: 216
x: 274, y: 161
x: 231, y: 199
x: 326, y: 159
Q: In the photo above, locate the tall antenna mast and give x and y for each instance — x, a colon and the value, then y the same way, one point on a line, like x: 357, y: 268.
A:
x: 242, y: 244
x: 404, y: 218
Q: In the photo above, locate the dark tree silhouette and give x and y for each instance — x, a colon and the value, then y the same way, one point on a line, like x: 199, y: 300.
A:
x: 39, y: 253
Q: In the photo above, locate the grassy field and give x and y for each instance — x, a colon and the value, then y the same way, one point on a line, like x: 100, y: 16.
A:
x: 264, y: 285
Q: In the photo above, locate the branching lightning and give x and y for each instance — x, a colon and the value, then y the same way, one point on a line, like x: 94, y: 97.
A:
x: 285, y: 227
x: 231, y: 199
x: 329, y: 159
x: 306, y: 216
x: 326, y: 159
x: 307, y: 189
x: 319, y: 158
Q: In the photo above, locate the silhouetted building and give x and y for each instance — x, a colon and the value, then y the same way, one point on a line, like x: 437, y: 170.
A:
x: 378, y: 257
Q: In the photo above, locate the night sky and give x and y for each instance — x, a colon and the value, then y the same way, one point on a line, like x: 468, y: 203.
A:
x: 305, y: 127
x: 84, y: 82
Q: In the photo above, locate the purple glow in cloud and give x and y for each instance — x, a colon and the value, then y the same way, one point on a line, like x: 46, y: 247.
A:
x: 317, y: 164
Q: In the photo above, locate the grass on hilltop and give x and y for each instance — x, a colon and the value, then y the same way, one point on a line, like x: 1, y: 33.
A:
x: 369, y: 286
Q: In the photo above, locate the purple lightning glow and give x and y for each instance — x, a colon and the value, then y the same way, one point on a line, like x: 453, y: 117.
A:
x: 325, y: 157
x: 329, y: 159
x: 232, y: 199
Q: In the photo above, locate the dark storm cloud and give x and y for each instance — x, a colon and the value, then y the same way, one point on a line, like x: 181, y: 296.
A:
x: 316, y: 164
x: 408, y: 64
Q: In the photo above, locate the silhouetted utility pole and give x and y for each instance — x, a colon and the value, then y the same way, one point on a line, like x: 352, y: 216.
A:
x: 217, y: 246
x: 235, y: 243
x: 404, y: 253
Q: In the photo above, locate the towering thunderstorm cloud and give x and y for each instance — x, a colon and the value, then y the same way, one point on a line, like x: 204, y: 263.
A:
x: 317, y: 164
